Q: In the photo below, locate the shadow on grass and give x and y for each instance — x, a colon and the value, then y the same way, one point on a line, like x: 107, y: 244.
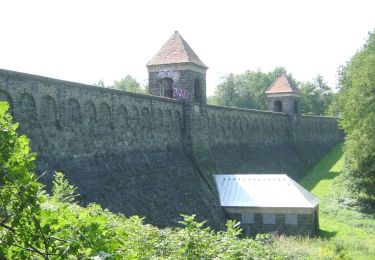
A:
x: 322, y: 170
x: 327, y: 234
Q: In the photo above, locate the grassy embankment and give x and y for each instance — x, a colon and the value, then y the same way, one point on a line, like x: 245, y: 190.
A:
x: 344, y: 232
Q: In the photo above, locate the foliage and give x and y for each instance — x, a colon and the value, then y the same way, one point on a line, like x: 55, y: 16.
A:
x: 357, y: 100
x: 35, y: 225
x: 128, y: 83
x: 20, y: 195
x: 62, y: 191
x: 316, y: 97
x: 246, y: 90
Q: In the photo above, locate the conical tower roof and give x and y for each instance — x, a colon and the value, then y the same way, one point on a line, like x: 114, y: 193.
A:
x: 176, y: 50
x: 282, y: 85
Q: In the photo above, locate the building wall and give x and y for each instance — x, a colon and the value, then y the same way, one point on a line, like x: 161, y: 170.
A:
x: 252, y: 220
x: 154, y: 156
x: 304, y: 226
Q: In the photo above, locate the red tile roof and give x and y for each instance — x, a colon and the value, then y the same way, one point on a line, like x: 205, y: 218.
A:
x: 282, y: 85
x: 176, y: 50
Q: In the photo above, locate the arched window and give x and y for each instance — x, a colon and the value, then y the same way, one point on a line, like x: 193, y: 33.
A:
x: 197, y: 91
x: 167, y: 87
x: 278, y: 106
x: 296, y: 107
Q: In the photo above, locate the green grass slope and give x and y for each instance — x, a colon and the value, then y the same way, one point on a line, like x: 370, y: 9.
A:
x: 344, y: 232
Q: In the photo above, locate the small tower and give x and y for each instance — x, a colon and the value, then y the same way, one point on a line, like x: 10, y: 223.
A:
x: 177, y: 72
x: 283, y: 97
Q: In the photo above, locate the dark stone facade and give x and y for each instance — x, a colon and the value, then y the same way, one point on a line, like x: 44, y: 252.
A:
x: 155, y: 156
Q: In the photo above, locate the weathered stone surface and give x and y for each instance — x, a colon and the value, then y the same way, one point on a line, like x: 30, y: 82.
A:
x: 153, y: 156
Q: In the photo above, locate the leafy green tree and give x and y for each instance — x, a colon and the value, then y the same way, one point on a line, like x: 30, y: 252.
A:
x: 247, y: 90
x: 21, y: 233
x: 129, y: 83
x: 226, y: 92
x: 357, y: 99
x: 316, y: 96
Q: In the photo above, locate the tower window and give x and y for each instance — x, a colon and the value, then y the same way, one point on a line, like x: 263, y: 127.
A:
x: 167, y: 87
x: 278, y: 106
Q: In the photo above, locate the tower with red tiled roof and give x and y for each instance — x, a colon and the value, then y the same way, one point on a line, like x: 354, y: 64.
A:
x: 283, y: 96
x: 177, y: 72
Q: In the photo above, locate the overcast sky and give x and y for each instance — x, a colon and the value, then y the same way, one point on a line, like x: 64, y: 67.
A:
x: 85, y: 41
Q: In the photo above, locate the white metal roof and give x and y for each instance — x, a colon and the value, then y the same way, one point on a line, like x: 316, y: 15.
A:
x: 263, y: 190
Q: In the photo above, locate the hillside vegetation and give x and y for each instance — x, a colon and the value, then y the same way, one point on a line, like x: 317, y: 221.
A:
x: 344, y: 232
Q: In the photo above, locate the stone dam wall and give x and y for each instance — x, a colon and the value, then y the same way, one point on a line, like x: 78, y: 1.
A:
x: 154, y: 156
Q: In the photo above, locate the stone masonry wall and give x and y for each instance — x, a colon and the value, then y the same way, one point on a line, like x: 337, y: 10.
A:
x: 122, y: 150
x: 154, y: 156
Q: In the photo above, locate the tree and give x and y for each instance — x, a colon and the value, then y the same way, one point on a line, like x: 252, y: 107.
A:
x: 21, y: 233
x: 357, y: 100
x: 247, y: 90
x: 316, y: 96
x: 128, y: 83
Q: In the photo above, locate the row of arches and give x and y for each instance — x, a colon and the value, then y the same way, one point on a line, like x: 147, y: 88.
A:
x: 248, y: 123
x: 74, y: 113
x: 318, y: 125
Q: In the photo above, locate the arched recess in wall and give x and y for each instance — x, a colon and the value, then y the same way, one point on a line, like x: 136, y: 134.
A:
x: 168, y: 120
x: 255, y: 124
x: 222, y: 126
x: 73, y: 112
x: 28, y: 107
x: 159, y: 118
x: 122, y: 115
x: 89, y: 112
x: 104, y: 114
x: 197, y: 91
x: 135, y: 120
x: 4, y: 96
x: 48, y: 110
x: 239, y: 124
x: 146, y: 124
x: 213, y: 123
x: 167, y: 87
x: 245, y: 124
x: 264, y: 125
x: 177, y: 120
x: 278, y: 106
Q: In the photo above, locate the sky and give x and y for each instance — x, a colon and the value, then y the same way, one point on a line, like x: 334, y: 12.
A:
x: 86, y: 41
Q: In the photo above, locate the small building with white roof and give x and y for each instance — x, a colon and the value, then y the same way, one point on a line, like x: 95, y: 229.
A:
x: 268, y: 203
